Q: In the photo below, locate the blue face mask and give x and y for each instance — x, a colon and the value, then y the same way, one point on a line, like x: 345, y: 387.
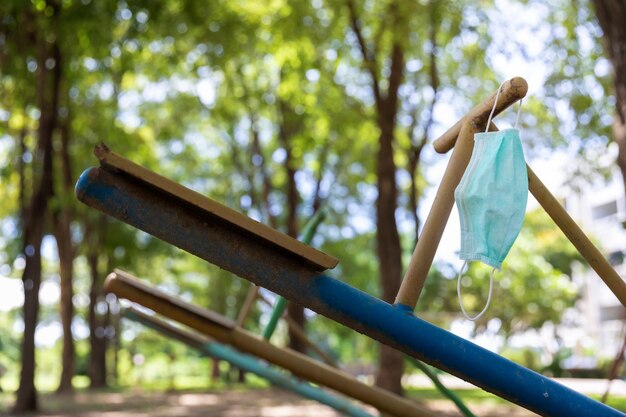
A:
x: 491, y: 199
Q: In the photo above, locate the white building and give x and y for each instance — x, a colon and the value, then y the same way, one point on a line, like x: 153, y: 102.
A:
x: 600, y: 209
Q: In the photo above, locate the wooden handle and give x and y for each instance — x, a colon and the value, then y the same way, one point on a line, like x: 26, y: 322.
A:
x: 435, y: 223
x: 124, y: 285
x: 513, y: 90
x: 578, y: 238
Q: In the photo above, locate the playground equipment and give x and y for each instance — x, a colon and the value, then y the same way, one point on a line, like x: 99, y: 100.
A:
x: 281, y: 304
x: 315, y: 350
x: 461, y: 138
x: 244, y: 362
x: 212, y: 232
x: 226, y: 331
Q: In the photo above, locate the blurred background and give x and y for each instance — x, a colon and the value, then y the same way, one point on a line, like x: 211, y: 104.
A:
x: 278, y: 109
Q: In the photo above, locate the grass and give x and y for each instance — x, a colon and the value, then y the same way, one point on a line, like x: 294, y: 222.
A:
x: 469, y: 396
x: 46, y: 387
x: 478, y: 396
x: 619, y: 403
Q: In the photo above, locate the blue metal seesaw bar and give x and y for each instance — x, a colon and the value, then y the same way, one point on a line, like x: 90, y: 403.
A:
x: 216, y: 234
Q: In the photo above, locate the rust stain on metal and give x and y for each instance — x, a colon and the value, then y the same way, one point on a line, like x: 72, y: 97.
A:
x: 112, y: 161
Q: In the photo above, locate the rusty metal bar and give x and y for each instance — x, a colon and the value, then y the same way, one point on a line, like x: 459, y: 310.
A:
x: 245, y: 362
x: 223, y: 330
x: 245, y: 226
x: 193, y: 340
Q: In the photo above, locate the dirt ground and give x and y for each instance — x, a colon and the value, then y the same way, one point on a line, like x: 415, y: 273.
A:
x: 249, y: 403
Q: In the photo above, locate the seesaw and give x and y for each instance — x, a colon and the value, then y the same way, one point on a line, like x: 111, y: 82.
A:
x: 245, y: 362
x: 278, y: 309
x: 272, y: 260
x: 226, y: 331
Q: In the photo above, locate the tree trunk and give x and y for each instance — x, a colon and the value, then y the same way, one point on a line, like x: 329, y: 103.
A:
x: 388, y: 249
x: 391, y: 362
x: 116, y: 344
x: 318, y: 199
x: 31, y: 278
x: 611, y: 16
x: 288, y: 128
x: 294, y: 310
x: 258, y: 160
x: 415, y: 151
x: 62, y: 220
x: 215, y: 370
x: 97, y: 340
x: 33, y: 224
x: 414, y: 194
x: 21, y: 170
x: 66, y: 259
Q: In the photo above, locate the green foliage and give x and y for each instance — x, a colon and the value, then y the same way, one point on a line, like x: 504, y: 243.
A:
x: 200, y: 92
x: 575, y: 109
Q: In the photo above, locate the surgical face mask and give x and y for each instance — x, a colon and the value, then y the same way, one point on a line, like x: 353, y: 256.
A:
x: 491, y: 199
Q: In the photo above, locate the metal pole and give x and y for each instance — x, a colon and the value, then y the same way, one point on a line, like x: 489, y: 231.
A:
x: 442, y: 388
x: 277, y: 312
x: 299, y: 332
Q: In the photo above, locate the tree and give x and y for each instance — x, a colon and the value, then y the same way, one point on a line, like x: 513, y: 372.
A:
x: 49, y: 74
x: 98, y: 309
x: 271, y: 108
x: 278, y: 87
x: 61, y: 220
x: 389, y: 252
x: 400, y: 54
x: 611, y: 15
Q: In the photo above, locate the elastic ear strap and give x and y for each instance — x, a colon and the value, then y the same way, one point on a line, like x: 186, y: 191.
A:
x: 493, y: 109
x: 458, y: 291
x: 519, y: 110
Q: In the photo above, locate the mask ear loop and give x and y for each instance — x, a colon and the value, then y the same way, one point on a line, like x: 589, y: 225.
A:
x: 519, y: 110
x: 458, y: 291
x: 493, y: 109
